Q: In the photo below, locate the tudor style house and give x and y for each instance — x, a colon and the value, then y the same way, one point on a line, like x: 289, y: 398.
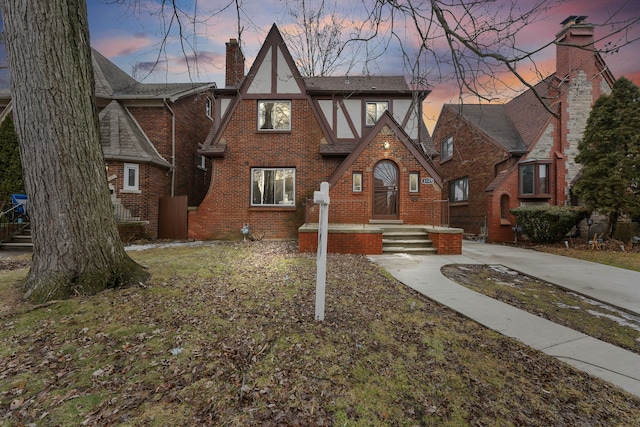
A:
x: 150, y: 134
x: 278, y: 135
x: 497, y: 157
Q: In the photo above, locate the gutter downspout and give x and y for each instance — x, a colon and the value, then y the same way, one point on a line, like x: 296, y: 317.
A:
x: 173, y: 147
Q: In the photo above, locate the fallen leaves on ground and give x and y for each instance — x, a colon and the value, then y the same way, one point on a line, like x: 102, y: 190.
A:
x: 224, y: 335
x: 13, y: 263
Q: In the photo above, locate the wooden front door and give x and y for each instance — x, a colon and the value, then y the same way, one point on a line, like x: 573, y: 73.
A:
x: 385, y: 190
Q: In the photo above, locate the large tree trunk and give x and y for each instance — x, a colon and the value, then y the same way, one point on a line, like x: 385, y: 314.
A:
x: 77, y: 249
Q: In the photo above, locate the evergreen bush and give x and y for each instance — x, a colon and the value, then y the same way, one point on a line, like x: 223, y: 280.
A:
x: 548, y: 224
x: 10, y: 165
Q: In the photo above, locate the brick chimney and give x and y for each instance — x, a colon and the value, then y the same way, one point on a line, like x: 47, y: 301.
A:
x: 580, y: 75
x: 570, y: 56
x: 234, y: 67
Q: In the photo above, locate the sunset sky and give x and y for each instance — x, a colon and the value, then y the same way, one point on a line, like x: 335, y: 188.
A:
x: 129, y: 32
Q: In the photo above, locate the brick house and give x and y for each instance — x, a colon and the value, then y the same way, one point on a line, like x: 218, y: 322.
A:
x: 498, y: 157
x: 150, y: 134
x: 278, y: 135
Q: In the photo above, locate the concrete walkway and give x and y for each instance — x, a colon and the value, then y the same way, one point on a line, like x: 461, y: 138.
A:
x: 617, y: 287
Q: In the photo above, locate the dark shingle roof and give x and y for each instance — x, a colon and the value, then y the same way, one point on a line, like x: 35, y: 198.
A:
x: 122, y: 139
x: 213, y: 150
x: 357, y: 84
x: 112, y: 82
x: 109, y: 78
x: 516, y: 125
x: 426, y: 142
x: 337, y: 149
x: 493, y: 120
x: 528, y: 115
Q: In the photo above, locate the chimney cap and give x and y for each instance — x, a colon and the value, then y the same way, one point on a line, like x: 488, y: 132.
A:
x: 574, y: 19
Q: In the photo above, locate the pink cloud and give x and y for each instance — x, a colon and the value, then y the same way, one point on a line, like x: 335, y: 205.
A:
x: 122, y: 45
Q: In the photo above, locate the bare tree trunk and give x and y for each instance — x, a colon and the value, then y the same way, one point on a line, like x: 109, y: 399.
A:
x: 77, y: 249
x: 613, y: 223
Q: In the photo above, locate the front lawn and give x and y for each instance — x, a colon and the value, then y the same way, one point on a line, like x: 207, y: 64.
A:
x: 224, y: 334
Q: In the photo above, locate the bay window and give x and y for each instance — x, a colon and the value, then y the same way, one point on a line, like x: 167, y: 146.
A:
x: 534, y: 180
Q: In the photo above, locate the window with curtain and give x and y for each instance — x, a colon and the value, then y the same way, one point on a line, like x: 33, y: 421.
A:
x: 273, y: 186
x: 374, y: 111
x: 274, y: 115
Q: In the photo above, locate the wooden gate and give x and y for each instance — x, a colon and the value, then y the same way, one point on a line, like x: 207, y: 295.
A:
x: 172, y: 218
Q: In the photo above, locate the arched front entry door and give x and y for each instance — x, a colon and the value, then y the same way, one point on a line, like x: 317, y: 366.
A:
x: 385, y: 190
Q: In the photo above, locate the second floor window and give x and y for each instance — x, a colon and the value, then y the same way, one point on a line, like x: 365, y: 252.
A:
x: 374, y: 111
x: 274, y: 115
x: 208, y: 107
x: 446, y: 149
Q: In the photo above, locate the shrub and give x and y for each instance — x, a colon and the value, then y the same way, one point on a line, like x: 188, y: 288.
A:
x: 548, y: 224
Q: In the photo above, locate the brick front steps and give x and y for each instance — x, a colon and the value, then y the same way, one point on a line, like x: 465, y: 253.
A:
x: 379, y: 238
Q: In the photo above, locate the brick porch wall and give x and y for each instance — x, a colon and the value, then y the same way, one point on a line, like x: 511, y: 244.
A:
x: 447, y: 241
x: 343, y: 242
x: 368, y: 241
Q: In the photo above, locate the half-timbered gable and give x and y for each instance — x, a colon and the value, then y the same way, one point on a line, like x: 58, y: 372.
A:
x: 279, y: 135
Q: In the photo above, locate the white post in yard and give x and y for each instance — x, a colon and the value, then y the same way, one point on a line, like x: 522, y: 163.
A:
x: 322, y: 198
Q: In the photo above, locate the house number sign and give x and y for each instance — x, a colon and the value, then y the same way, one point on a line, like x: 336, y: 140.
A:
x: 427, y: 181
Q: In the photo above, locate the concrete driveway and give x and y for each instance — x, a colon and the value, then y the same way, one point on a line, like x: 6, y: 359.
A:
x: 614, y: 286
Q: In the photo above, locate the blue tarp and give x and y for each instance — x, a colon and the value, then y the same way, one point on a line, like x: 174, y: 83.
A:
x: 20, y: 200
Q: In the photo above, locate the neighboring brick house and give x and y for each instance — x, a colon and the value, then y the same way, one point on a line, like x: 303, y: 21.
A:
x: 278, y: 135
x: 150, y: 134
x: 498, y: 157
